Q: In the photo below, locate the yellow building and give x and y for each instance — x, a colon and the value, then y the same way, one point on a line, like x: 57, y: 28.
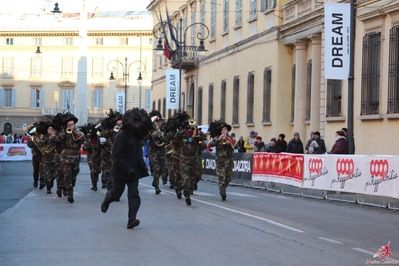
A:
x: 264, y: 69
x: 78, y: 53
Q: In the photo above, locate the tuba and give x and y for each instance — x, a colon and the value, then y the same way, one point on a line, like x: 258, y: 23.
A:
x: 156, y: 134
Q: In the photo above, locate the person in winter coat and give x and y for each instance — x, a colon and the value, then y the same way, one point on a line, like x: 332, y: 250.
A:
x: 295, y: 145
x: 317, y: 146
x: 273, y: 147
x: 281, y: 143
x: 259, y: 145
x: 340, y: 145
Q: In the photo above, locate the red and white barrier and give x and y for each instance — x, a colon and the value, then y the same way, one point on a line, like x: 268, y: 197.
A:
x: 15, y: 152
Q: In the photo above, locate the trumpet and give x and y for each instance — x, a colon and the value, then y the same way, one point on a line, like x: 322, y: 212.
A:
x: 68, y: 130
x: 117, y: 128
x: 192, y: 122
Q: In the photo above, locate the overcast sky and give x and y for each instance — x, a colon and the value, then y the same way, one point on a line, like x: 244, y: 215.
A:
x: 33, y: 6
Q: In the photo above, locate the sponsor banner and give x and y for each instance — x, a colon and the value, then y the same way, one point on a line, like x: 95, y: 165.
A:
x: 284, y: 168
x: 337, y: 20
x: 120, y: 101
x: 15, y: 152
x: 172, y: 88
x: 241, y: 169
x: 371, y: 175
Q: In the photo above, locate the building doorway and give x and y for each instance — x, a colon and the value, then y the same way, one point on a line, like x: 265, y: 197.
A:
x: 7, y: 129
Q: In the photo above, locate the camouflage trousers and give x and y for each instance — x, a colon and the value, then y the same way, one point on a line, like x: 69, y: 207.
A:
x: 70, y: 169
x: 106, y: 178
x: 169, y: 166
x: 48, y: 169
x: 199, y: 173
x: 189, y: 173
x: 37, y: 168
x: 59, y: 175
x: 158, y: 166
x: 175, y: 174
x: 224, y: 167
x: 95, y: 168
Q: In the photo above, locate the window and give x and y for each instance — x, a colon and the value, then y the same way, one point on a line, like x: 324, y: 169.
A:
x: 164, y: 106
x: 293, y: 75
x: 263, y: 5
x: 67, y: 67
x: 37, y: 41
x: 393, y: 76
x: 267, y: 90
x: 199, y: 113
x: 236, y: 99
x: 148, y: 99
x: 250, y: 98
x: 223, y: 101
x: 334, y: 91
x: 9, y: 41
x: 66, y: 99
x: 308, y: 90
x: 371, y: 74
x: 193, y: 29
x: 159, y: 104
x: 184, y: 19
x: 68, y: 41
x: 153, y: 105
x: 238, y: 13
x: 99, y: 41
x: 202, y: 17
x: 97, y: 67
x: 36, y: 67
x: 122, y: 41
x: 98, y: 99
x: 7, y: 97
x: 225, y: 15
x: 150, y: 41
x: 210, y: 104
x: 37, y: 98
x: 252, y: 9
x: 8, y: 67
x: 213, y: 19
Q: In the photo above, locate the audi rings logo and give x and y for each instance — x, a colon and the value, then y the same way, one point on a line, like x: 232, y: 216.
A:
x: 315, y: 165
x: 379, y: 168
x: 345, y: 167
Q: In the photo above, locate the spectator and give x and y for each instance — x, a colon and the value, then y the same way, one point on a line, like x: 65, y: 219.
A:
x: 259, y: 145
x: 309, y: 141
x: 240, y: 144
x: 10, y: 138
x: 2, y: 138
x: 345, y: 130
x: 295, y: 145
x: 249, y: 142
x: 25, y: 138
x: 273, y: 147
x: 16, y: 138
x: 317, y: 146
x: 340, y: 146
x: 281, y: 143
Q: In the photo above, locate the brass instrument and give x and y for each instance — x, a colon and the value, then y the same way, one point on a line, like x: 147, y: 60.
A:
x: 68, y: 130
x: 48, y: 147
x: 32, y: 131
x: 156, y: 134
x: 117, y: 128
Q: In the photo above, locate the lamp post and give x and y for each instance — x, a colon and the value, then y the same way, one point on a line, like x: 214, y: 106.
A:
x: 181, y: 47
x: 126, y: 67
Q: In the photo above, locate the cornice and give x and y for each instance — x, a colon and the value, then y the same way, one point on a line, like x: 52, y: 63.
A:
x: 24, y: 34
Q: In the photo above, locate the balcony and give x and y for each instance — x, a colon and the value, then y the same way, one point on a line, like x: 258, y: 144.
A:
x: 54, y: 111
x: 189, y: 58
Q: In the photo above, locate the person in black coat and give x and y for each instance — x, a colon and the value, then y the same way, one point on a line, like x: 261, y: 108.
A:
x: 128, y: 165
x: 295, y: 145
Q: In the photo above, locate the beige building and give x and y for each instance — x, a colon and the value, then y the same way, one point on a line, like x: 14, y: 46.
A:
x: 78, y: 53
x: 264, y: 69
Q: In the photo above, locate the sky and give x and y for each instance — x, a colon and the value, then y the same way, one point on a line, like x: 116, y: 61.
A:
x: 33, y: 6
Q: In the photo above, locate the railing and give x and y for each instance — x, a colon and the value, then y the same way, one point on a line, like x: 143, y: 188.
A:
x: 54, y: 111
x: 189, y: 58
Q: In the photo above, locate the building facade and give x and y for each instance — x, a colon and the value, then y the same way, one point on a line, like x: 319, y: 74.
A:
x: 78, y: 52
x: 264, y: 69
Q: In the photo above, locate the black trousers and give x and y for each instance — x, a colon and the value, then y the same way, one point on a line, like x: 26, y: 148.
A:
x: 134, y: 200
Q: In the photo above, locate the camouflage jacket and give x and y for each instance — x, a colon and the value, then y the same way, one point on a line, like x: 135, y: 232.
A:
x: 223, y: 148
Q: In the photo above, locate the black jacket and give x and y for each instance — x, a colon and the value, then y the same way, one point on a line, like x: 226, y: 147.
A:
x: 127, y: 158
x: 295, y: 146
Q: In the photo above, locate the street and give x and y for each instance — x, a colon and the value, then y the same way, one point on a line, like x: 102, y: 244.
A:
x: 253, y: 227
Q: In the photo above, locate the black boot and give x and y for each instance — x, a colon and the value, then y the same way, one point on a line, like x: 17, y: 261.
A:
x: 35, y: 183
x: 157, y: 190
x: 178, y: 194
x: 42, y: 185
x: 48, y: 190
x: 223, y: 195
x: 59, y: 192
x: 105, y: 205
x: 70, y: 196
x: 94, y: 187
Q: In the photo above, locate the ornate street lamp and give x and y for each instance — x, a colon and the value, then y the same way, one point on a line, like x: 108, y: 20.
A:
x: 56, y: 11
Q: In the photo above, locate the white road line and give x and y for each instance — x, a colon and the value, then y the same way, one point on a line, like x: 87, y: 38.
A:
x: 330, y: 240
x: 241, y: 195
x: 243, y: 213
x: 205, y: 194
x: 364, y: 251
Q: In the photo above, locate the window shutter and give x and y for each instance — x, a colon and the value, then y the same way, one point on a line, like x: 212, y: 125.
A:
x: 13, y: 97
x: 1, y: 97
x: 33, y: 98
x: 41, y: 102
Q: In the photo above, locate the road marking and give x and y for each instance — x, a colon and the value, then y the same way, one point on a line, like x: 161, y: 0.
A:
x: 364, y: 251
x: 205, y: 194
x: 243, y: 213
x: 330, y: 240
x: 241, y: 195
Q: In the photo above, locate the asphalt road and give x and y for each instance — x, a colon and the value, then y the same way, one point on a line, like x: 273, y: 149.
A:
x: 253, y: 227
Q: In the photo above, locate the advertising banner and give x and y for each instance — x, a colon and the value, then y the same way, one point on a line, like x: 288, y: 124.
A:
x: 337, y: 20
x: 120, y: 101
x: 371, y: 175
x: 284, y: 168
x: 172, y: 88
x: 241, y: 169
x: 15, y: 152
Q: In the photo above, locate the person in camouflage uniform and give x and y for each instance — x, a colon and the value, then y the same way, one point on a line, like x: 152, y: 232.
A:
x: 224, y: 144
x: 190, y: 142
x: 157, y: 151
x: 201, y: 147
x: 58, y: 123
x: 70, y: 155
x: 36, y: 156
x: 47, y: 146
x: 93, y: 149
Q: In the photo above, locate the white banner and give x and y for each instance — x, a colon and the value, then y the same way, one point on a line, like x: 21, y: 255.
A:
x: 172, y: 88
x: 120, y: 101
x: 371, y: 175
x: 15, y: 152
x: 337, y: 20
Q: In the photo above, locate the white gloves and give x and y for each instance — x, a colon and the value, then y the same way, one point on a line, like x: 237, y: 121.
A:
x: 103, y: 140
